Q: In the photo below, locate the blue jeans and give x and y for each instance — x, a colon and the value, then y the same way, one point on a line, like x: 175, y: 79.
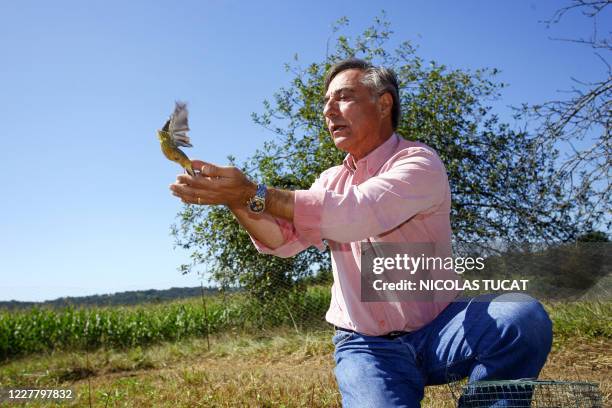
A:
x: 484, y: 338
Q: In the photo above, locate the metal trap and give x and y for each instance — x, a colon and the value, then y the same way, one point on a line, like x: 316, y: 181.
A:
x: 530, y: 393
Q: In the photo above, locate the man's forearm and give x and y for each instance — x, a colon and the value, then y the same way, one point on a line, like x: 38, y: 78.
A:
x: 262, y: 228
x: 279, y: 203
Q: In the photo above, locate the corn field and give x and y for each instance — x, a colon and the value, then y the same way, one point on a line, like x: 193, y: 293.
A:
x: 39, y: 330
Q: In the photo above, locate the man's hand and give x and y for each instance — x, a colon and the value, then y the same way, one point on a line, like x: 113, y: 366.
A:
x: 217, y: 185
x: 214, y: 185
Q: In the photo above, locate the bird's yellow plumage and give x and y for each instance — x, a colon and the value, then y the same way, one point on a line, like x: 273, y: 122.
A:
x: 174, y: 134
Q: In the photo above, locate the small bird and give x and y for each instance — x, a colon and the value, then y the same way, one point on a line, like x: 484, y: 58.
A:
x: 174, y: 134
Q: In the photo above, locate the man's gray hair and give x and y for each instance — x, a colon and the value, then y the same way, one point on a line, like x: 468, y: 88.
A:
x: 380, y: 80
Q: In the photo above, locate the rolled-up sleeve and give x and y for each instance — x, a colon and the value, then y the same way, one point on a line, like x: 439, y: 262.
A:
x: 292, y: 245
x: 293, y: 241
x: 414, y: 183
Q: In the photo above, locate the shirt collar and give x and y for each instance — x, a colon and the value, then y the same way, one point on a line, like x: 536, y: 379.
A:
x: 375, y: 159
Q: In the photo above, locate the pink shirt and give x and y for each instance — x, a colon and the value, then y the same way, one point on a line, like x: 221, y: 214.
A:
x: 397, y: 193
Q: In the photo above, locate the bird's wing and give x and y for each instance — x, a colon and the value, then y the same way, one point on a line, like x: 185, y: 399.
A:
x: 179, y: 125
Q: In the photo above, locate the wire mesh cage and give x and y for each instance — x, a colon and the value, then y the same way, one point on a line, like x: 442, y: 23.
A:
x: 530, y: 393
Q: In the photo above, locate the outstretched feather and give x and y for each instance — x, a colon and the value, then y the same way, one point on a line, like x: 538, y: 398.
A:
x: 179, y: 125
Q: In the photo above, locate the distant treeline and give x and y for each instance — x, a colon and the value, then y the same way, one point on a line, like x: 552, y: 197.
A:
x: 116, y: 299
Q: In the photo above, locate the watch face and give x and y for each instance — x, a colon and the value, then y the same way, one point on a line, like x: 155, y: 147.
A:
x: 257, y: 204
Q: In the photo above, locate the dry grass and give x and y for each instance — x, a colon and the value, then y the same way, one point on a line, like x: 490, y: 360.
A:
x: 276, y: 369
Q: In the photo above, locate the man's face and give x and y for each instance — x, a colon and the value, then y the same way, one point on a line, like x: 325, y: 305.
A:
x: 352, y: 114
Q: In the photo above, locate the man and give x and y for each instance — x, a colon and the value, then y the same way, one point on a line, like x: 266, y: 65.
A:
x: 387, y: 190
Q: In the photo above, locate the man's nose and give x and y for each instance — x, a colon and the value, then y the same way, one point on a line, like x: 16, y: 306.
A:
x: 330, y: 109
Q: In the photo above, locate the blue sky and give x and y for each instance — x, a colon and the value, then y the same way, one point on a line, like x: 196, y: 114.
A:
x: 85, y: 206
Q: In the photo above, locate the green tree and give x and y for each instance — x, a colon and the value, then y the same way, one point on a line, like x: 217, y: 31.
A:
x: 500, y: 188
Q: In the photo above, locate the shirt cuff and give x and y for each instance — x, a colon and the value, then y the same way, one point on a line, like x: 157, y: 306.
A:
x: 307, y: 215
x: 292, y: 245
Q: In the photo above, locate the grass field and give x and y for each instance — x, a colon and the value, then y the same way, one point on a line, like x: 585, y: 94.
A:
x: 276, y: 367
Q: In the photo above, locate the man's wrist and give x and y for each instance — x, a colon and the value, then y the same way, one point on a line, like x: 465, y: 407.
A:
x: 257, y: 203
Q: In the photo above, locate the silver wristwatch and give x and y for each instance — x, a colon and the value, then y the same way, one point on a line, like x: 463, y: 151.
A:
x: 257, y: 203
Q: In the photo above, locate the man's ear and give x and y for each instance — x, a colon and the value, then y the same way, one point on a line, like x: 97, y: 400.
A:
x: 385, y: 103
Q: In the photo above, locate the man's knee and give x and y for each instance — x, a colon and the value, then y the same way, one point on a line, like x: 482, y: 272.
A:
x: 512, y: 335
x: 522, y: 319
